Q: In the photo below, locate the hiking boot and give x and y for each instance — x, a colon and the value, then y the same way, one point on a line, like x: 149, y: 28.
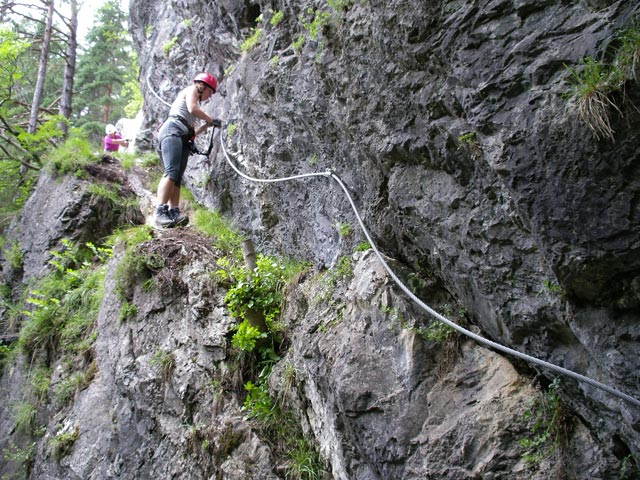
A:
x: 179, y: 220
x: 164, y: 217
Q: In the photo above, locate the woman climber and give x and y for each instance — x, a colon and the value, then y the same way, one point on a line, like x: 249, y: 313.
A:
x: 174, y: 138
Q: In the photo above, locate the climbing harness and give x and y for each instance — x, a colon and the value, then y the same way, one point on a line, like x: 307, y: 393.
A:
x: 502, y: 348
x: 420, y: 303
x: 207, y: 152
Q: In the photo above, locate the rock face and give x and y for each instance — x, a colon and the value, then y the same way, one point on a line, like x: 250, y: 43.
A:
x: 447, y: 123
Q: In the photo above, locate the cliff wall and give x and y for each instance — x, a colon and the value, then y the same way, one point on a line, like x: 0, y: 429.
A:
x: 491, y: 197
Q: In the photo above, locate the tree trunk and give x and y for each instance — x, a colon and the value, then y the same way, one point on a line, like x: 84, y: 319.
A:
x: 69, y: 68
x: 42, y: 69
x: 255, y: 319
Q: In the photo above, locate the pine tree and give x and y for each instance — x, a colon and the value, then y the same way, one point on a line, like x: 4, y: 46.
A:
x: 103, y: 69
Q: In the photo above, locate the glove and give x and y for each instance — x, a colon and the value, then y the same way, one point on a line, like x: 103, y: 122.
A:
x: 216, y: 123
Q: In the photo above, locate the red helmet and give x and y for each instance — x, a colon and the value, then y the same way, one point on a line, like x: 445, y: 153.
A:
x: 207, y: 80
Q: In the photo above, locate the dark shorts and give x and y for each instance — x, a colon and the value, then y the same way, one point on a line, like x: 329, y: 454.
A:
x: 173, y: 139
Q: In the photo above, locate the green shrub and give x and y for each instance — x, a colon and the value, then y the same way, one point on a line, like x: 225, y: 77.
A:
x: 165, y: 361
x: 262, y: 292
x: 61, y: 444
x: 276, y: 18
x: 215, y: 226
x: 546, y: 420
x: 251, y: 41
x: 63, y: 304
x: 246, y: 336
x: 166, y: 48
x: 14, y: 255
x: 24, y: 414
x: 593, y: 84
x: 72, y: 156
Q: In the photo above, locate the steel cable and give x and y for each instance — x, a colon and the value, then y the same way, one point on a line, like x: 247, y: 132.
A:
x: 420, y: 303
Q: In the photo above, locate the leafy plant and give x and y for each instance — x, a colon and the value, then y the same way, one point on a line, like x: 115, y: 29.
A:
x: 166, y: 48
x: 594, y: 83
x: 436, y: 331
x: 298, y: 43
x: 62, y: 443
x: 231, y: 129
x: 63, y: 304
x: 24, y: 414
x: 14, y: 256
x: 20, y: 457
x: 628, y: 57
x: 72, y: 156
x: 629, y: 468
x: 165, y: 361
x: 467, y: 138
x: 64, y: 391
x: 304, y: 461
x: 362, y: 247
x: 224, y: 236
x: 246, y: 336
x: 257, y: 403
x: 127, y: 311
x: 134, y: 264
x: 546, y: 418
x: 261, y: 291
x: 276, y: 18
x: 344, y: 229
x: 251, y: 41
x: 40, y: 380
x: 591, y: 88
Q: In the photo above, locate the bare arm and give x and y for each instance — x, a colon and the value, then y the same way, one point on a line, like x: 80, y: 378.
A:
x: 192, y: 98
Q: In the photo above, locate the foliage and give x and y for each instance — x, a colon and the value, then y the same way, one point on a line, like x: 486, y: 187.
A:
x: 257, y: 403
x: 593, y: 84
x: 24, y: 414
x: 20, y: 457
x: 72, y: 156
x: 231, y: 129
x: 64, y: 391
x: 166, y: 363
x: 630, y: 467
x: 362, y: 247
x: 13, y: 255
x: 61, y: 444
x: 133, y: 264
x: 342, y: 270
x: 436, y: 331
x: 281, y: 428
x: 62, y: 305
x: 251, y: 41
x: 131, y: 91
x: 261, y: 291
x: 40, y: 380
x: 546, y: 418
x: 246, y: 336
x: 214, y: 225
x: 628, y: 55
x: 276, y: 18
x: 344, y: 229
x: 591, y: 89
x: 127, y: 311
x: 166, y: 48
x: 105, y: 72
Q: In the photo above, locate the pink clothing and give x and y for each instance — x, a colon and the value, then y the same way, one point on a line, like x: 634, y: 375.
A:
x: 109, y: 145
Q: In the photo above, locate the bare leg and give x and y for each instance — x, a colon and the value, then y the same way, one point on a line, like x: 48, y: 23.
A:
x: 166, y: 191
x: 174, y: 199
